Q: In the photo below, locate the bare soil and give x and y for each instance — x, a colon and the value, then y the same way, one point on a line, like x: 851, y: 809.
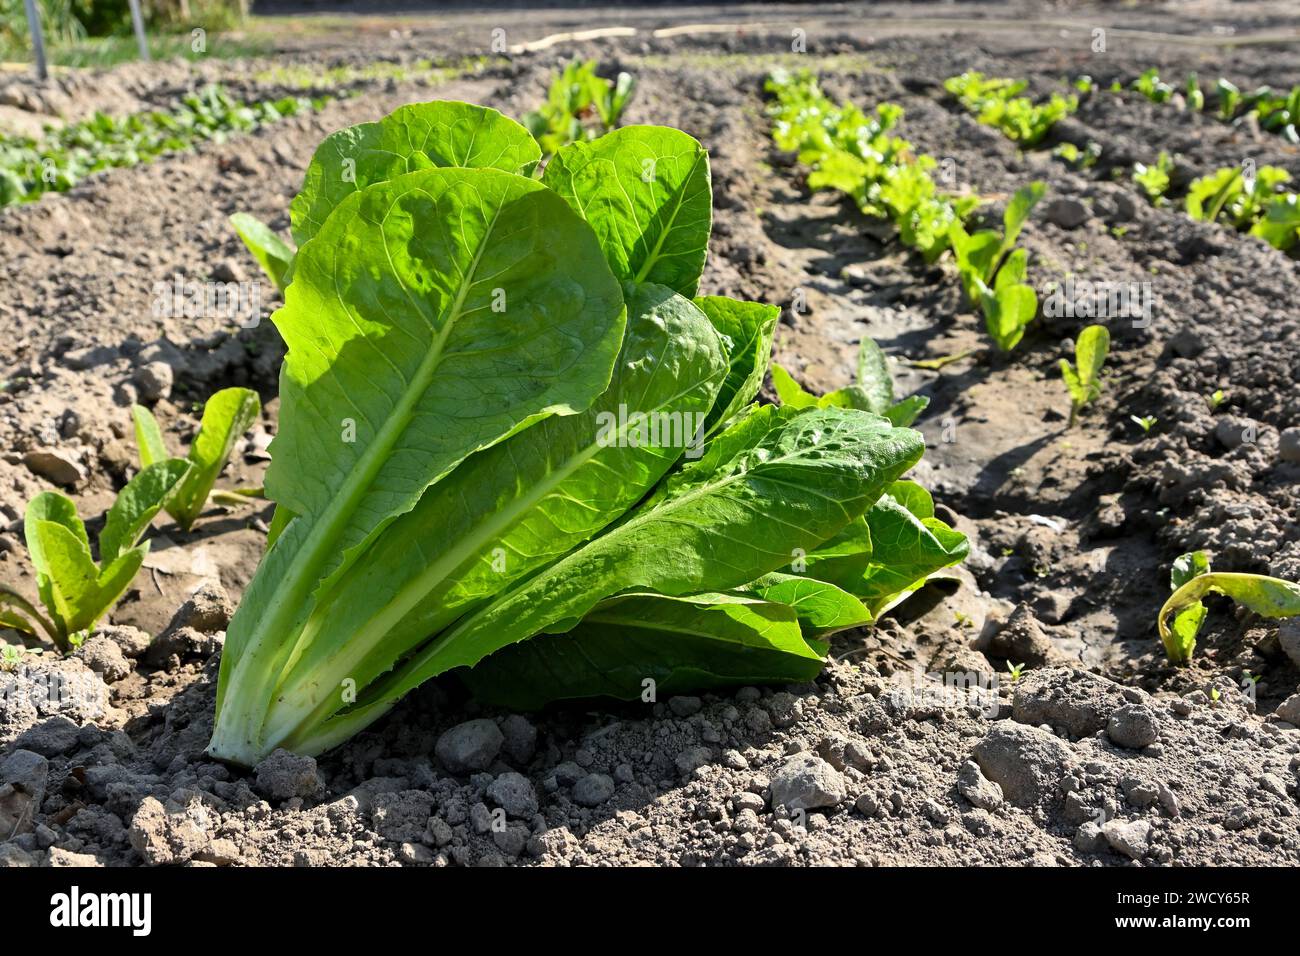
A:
x: 1100, y: 754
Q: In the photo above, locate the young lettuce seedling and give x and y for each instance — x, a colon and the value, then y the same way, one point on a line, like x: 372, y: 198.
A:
x: 855, y: 154
x: 75, y: 589
x: 993, y: 271
x: 272, y: 253
x: 996, y: 104
x: 1083, y: 379
x: 1146, y: 422
x: 11, y: 655
x: 1154, y: 180
x: 1229, y: 99
x: 575, y: 92
x: 226, y: 416
x: 1256, y: 205
x: 1084, y: 158
x: 1191, y: 579
x: 873, y: 392
x: 1152, y: 87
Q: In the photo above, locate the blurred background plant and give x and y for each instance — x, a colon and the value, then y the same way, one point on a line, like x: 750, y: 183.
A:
x: 98, y: 32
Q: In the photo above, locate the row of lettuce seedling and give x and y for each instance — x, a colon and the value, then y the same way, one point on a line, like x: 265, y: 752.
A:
x: 62, y: 157
x: 855, y: 154
x: 858, y: 155
x: 1276, y: 111
x: 1244, y: 198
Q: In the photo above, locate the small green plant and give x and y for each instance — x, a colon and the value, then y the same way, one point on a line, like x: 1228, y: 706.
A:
x: 873, y: 392
x: 11, y: 656
x: 1215, y: 399
x: 574, y: 94
x: 1154, y: 180
x: 1146, y: 422
x: 1152, y: 87
x: 1278, y: 112
x: 995, y: 102
x: 1015, y: 671
x: 1229, y: 99
x: 993, y: 271
x: 57, y: 161
x: 1193, y: 93
x: 226, y: 416
x: 1083, y: 379
x: 856, y: 154
x: 1078, y: 158
x: 272, y: 253
x: 1257, y: 205
x: 1229, y: 194
x: 1280, y: 226
x: 1191, y: 580
x: 75, y: 589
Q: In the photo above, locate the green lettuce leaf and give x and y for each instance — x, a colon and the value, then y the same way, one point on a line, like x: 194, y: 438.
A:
x: 747, y: 329
x: 821, y: 607
x: 272, y: 253
x: 908, y: 544
x: 72, y: 586
x: 151, y: 490
x: 148, y: 436
x: 227, y: 415
x: 1193, y: 580
x: 418, y: 136
x: 874, y: 376
x: 680, y: 644
x: 645, y: 191
x: 778, y: 481
x: 512, y: 509
x: 411, y: 345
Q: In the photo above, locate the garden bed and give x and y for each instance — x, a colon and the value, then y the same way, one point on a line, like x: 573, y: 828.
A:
x: 1101, y: 751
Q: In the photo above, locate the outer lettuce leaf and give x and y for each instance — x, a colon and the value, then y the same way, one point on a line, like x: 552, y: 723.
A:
x: 891, y: 551
x: 645, y: 191
x: 843, y: 558
x: 908, y: 545
x: 822, y: 608
x: 413, y: 137
x: 746, y: 329
x: 511, y: 509
x: 682, y: 644
x: 399, y: 367
x: 777, y: 481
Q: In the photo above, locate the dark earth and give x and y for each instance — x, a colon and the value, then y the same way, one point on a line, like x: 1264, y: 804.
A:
x: 1100, y: 753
